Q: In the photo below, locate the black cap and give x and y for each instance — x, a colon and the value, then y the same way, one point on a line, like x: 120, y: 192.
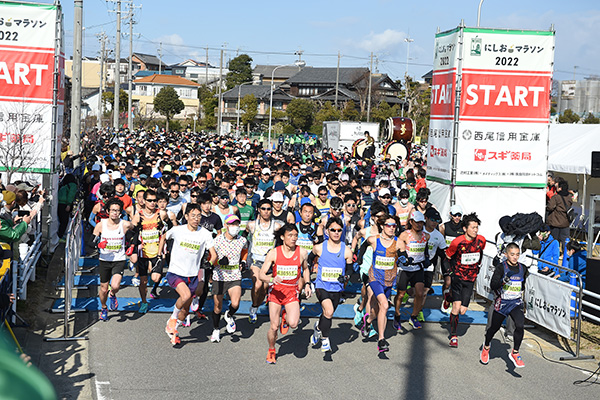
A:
x: 223, y: 193
x: 433, y: 215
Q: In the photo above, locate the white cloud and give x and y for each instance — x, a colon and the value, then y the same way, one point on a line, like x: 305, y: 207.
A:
x: 379, y: 42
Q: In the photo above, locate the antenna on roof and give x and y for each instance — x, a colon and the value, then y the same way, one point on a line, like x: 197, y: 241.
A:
x: 299, y: 54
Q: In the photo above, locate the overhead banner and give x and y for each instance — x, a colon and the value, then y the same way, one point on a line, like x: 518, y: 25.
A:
x: 548, y: 303
x: 31, y: 94
x: 443, y: 102
x: 501, y: 129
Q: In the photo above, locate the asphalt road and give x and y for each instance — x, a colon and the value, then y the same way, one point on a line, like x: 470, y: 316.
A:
x: 131, y: 357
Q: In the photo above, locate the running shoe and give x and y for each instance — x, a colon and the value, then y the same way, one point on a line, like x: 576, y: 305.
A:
x: 143, y: 308
x: 230, y: 322
x: 216, y: 336
x: 132, y: 267
x: 135, y: 281
x: 358, y: 315
x: 104, y: 315
x: 420, y: 317
x: 325, y: 346
x: 195, y: 304
x: 516, y: 359
x: 485, y: 355
x: 383, y: 346
x: 396, y: 323
x: 372, y: 332
x: 405, y: 297
x: 446, y: 307
x: 114, y: 303
x: 454, y: 341
x: 271, y: 356
x: 188, y: 321
x: 201, y: 315
x: 171, y: 330
x: 314, y: 339
x: 284, y: 327
x: 252, y: 315
x: 154, y: 295
x: 364, y: 330
x: 414, y: 322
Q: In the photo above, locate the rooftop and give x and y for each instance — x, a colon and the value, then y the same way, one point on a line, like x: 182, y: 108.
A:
x: 172, y: 80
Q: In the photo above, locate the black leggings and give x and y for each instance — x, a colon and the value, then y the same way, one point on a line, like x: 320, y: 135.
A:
x: 497, y: 319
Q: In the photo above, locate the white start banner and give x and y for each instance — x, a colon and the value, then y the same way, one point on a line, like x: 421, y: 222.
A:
x: 548, y: 303
x: 31, y: 107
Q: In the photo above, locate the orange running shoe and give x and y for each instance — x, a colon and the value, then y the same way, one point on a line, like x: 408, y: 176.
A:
x: 271, y: 356
x: 171, y: 330
x: 284, y: 327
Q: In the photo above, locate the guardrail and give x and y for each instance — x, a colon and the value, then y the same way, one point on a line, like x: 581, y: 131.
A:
x: 72, y: 253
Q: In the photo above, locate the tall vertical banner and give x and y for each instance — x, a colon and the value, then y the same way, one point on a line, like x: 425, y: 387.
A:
x: 31, y: 86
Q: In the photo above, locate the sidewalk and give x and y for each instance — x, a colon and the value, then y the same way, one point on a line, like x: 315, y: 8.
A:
x: 64, y: 363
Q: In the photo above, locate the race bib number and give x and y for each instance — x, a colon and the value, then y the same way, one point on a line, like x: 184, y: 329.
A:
x: 287, y: 272
x: 512, y: 289
x: 385, y: 263
x: 189, y: 247
x: 228, y: 268
x: 150, y: 236
x: 416, y: 249
x: 470, y: 258
x: 330, y: 274
x: 114, y: 245
x: 305, y: 244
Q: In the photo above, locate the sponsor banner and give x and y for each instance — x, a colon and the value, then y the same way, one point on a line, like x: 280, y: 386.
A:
x: 548, y: 303
x: 439, y: 149
x: 482, y: 284
x: 27, y: 59
x: 502, y: 153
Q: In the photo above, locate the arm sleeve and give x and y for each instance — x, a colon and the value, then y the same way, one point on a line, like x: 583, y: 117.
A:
x: 496, y: 281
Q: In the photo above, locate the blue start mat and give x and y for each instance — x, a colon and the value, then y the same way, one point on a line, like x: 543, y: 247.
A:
x: 94, y: 280
x: 344, y: 311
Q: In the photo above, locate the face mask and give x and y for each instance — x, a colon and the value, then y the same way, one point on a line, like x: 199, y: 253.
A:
x: 233, y: 230
x: 404, y: 202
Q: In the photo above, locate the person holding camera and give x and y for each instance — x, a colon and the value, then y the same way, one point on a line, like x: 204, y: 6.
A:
x: 334, y: 265
x: 12, y: 228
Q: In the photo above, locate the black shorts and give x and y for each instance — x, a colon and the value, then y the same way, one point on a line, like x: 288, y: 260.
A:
x: 153, y: 264
x: 406, y: 277
x: 221, y: 287
x: 461, y: 290
x: 110, y: 268
x: 323, y: 294
x: 445, y: 267
x: 428, y: 279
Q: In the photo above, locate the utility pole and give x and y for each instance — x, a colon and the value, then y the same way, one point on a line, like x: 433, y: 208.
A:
x: 130, y: 75
x: 76, y: 88
x: 220, y: 115
x: 160, y: 58
x: 369, y: 93
x: 102, y: 51
x: 117, y: 69
x: 408, y: 41
x: 337, y: 80
x: 206, y: 69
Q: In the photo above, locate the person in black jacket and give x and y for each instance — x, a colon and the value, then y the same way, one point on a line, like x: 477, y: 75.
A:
x: 508, y: 282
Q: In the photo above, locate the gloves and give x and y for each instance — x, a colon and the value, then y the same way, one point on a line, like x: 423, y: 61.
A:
x: 243, y: 265
x: 129, y: 250
x: 354, y: 258
x: 224, y: 261
x: 343, y: 279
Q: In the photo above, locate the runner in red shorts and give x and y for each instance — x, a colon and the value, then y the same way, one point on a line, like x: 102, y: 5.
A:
x: 287, y: 263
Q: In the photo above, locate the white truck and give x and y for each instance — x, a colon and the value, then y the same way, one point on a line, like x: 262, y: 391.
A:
x: 340, y: 135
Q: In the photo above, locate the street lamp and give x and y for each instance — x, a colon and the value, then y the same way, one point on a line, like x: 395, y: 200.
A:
x: 237, y: 129
x: 479, y: 13
x: 298, y: 64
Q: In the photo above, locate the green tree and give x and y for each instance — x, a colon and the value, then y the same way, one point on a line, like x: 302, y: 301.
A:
x: 568, y: 117
x: 249, y: 105
x: 591, y: 119
x: 108, y: 99
x: 208, y: 102
x: 326, y: 113
x: 301, y: 113
x: 349, y: 112
x: 240, y: 71
x: 383, y: 111
x: 167, y: 103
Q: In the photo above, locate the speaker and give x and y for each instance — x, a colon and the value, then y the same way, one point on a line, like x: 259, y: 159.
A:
x: 596, y: 164
x: 592, y: 284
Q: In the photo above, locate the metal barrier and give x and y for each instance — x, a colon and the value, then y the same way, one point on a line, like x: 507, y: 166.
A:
x: 28, y: 259
x: 6, y: 286
x: 72, y: 253
x: 578, y: 290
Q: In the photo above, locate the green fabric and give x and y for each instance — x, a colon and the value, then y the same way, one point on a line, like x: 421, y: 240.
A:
x: 67, y: 193
x: 412, y: 196
x: 246, y: 212
x: 17, y: 381
x: 10, y: 233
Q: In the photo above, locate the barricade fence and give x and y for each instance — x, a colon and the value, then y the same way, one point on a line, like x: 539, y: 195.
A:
x: 6, y: 286
x: 29, y: 255
x: 548, y: 302
x: 72, y: 253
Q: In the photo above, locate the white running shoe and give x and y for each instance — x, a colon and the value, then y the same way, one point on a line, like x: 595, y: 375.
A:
x: 314, y: 339
x: 252, y: 315
x: 325, y: 346
x: 216, y: 336
x: 195, y: 304
x: 135, y: 281
x: 230, y: 322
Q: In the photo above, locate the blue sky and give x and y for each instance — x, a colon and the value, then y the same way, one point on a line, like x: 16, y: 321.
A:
x: 271, y: 31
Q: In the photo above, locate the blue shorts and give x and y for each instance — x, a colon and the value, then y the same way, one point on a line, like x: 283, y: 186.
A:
x: 191, y: 281
x: 378, y: 289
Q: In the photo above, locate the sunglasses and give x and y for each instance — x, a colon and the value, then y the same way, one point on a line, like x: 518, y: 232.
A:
x: 335, y: 230
x: 174, y: 191
x: 224, y: 197
x: 391, y: 225
x: 202, y: 182
x: 457, y: 215
x: 386, y: 197
x: 322, y: 194
x: 350, y: 204
x: 193, y: 195
x: 265, y: 208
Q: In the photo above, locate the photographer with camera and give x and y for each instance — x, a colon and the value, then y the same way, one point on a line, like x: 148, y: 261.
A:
x: 14, y: 226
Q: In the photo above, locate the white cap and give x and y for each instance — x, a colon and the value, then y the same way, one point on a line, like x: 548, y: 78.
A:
x: 276, y: 196
x: 384, y: 192
x: 266, y: 171
x: 115, y: 175
x: 456, y: 209
x: 104, y: 178
x: 417, y: 216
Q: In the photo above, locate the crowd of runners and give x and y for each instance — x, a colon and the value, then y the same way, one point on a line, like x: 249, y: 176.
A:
x: 204, y: 211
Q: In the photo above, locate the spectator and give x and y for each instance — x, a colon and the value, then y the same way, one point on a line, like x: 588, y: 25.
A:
x: 11, y: 229
x: 550, y: 251
x: 66, y: 196
x: 556, y: 212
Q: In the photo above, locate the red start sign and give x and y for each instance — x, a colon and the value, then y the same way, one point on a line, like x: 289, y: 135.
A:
x: 26, y: 75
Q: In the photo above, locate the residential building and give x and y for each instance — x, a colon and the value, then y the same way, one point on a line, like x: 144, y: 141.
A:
x: 262, y: 74
x: 90, y: 72
x: 148, y: 87
x: 581, y: 97
x: 199, y: 72
x: 147, y: 62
